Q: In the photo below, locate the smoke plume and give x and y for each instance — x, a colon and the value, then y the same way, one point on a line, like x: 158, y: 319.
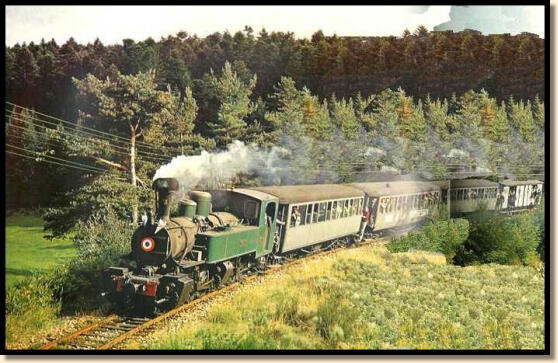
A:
x: 217, y: 169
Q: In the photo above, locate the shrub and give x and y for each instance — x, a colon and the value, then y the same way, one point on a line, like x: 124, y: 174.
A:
x: 443, y: 236
x: 497, y: 238
x: 93, y: 202
x: 540, y: 220
x: 76, y: 286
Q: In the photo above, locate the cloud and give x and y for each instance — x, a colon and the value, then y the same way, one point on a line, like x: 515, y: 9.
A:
x: 418, y: 9
x: 496, y: 19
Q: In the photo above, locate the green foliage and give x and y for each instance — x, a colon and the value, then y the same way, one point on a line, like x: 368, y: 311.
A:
x: 444, y: 236
x: 231, y: 97
x: 166, y: 91
x: 540, y: 221
x: 94, y: 202
x: 497, y: 238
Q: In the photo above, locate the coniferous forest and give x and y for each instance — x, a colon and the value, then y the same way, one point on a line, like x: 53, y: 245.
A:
x: 83, y: 121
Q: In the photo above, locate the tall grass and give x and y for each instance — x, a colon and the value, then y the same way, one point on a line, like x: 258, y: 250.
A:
x: 369, y: 298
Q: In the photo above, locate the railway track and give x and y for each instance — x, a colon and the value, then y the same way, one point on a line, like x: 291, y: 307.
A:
x: 113, y: 330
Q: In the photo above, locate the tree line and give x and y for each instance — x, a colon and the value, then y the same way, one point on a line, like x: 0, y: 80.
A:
x: 120, y: 126
x: 438, y: 63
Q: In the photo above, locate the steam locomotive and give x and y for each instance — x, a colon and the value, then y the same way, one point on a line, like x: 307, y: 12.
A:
x: 213, y: 238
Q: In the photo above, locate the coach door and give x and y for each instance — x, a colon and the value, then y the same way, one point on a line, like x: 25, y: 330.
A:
x: 270, y: 224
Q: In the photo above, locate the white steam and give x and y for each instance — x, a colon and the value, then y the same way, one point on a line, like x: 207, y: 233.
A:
x: 215, y: 170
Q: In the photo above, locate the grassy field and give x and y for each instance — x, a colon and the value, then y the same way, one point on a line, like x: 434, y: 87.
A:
x: 369, y: 298
x: 27, y: 250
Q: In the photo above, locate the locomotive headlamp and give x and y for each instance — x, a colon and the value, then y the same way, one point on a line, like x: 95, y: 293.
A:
x: 147, y: 244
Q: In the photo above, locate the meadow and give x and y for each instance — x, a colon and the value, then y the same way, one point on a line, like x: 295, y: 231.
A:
x: 370, y: 298
x: 29, y: 252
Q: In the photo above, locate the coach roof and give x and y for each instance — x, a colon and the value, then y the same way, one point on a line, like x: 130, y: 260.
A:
x: 395, y: 187
x: 512, y: 183
x: 289, y: 194
x: 473, y: 183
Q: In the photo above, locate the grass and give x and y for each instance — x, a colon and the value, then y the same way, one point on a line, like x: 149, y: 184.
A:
x: 369, y: 298
x: 28, y: 252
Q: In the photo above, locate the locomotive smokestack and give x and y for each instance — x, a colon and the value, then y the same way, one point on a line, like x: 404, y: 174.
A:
x: 166, y: 189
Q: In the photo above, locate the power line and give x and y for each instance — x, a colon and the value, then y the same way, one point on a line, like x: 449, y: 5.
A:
x: 138, y: 150
x: 125, y: 140
x: 77, y: 129
x: 56, y: 158
x: 57, y: 163
x: 67, y: 133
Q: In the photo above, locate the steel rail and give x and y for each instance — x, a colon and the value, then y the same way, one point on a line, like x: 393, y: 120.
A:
x: 132, y: 330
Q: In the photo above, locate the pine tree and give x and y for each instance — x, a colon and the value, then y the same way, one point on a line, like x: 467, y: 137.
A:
x: 343, y: 116
x: 129, y: 106
x: 232, y: 96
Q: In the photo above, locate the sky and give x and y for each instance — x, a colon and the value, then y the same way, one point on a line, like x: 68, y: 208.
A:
x: 111, y: 24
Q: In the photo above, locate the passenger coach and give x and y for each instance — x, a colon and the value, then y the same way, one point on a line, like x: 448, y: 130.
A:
x: 519, y: 195
x: 398, y: 203
x: 311, y: 214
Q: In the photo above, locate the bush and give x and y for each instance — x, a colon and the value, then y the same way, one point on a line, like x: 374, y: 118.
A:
x: 540, y: 220
x: 443, y: 236
x: 93, y: 203
x: 75, y: 287
x: 497, y: 238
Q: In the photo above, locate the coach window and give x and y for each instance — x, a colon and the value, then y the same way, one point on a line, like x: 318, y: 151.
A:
x: 308, y: 218
x: 303, y: 209
x: 315, y: 213
x: 334, y: 209
x: 328, y: 212
x: 322, y: 212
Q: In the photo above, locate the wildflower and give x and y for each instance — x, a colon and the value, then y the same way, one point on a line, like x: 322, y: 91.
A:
x: 524, y: 299
x: 533, y: 325
x: 397, y: 292
x: 514, y: 275
x: 440, y: 296
x: 430, y: 275
x: 482, y: 292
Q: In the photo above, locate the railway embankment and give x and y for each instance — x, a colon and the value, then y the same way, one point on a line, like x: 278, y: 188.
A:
x: 369, y: 298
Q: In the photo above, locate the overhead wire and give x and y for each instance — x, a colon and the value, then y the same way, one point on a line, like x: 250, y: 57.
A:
x: 124, y: 139
x: 57, y: 163
x: 67, y: 133
x: 138, y: 150
x: 56, y: 158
